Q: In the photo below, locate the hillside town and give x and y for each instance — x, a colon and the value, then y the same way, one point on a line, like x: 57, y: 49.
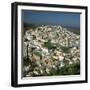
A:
x: 50, y: 51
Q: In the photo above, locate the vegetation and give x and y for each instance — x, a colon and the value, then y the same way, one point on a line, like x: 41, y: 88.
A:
x: 73, y: 69
x: 49, y: 45
x: 38, y: 53
x: 65, y: 49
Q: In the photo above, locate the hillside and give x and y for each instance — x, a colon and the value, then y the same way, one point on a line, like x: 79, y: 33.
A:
x: 50, y: 50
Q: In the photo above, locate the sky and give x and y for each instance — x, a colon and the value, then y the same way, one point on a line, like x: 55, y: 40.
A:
x: 51, y: 18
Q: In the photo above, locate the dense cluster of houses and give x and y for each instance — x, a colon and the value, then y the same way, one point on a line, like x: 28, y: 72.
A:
x: 48, y: 48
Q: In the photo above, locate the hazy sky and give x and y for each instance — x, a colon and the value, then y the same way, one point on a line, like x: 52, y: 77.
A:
x: 51, y: 18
